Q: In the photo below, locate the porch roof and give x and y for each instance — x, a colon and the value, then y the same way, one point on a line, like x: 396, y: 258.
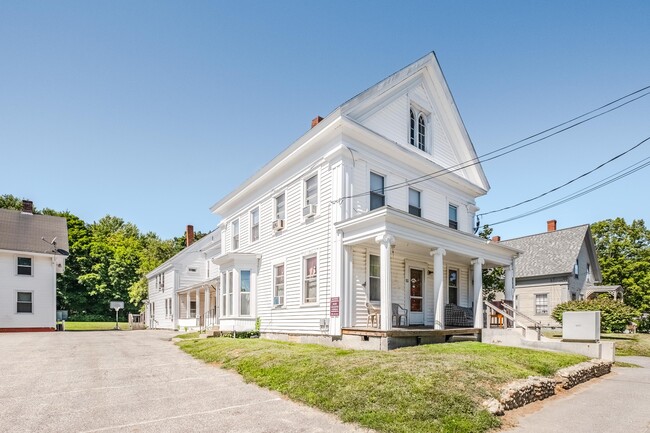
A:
x: 423, y: 232
x: 211, y: 282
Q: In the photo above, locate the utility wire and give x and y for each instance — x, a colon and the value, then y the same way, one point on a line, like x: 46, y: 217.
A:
x: 483, y: 158
x: 588, y: 189
x: 567, y: 183
x: 480, y: 159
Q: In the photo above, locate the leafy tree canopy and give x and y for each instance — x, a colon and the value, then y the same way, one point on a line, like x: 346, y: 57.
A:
x: 493, y: 278
x: 624, y: 258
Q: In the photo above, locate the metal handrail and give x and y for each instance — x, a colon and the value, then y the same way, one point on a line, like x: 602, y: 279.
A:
x: 515, y: 314
x: 536, y: 323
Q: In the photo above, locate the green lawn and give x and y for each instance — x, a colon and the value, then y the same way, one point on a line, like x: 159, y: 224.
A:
x: 430, y: 388
x: 94, y: 326
x: 626, y: 344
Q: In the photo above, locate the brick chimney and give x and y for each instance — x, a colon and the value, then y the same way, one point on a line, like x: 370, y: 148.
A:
x: 315, y: 121
x: 28, y: 207
x: 496, y: 239
x: 551, y: 225
x: 189, y: 235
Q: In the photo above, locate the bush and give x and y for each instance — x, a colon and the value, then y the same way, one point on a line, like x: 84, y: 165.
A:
x: 614, y: 315
x: 643, y: 324
x: 85, y: 317
x: 242, y: 334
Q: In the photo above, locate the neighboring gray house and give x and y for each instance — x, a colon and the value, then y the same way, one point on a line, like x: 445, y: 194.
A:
x: 556, y: 266
x: 29, y: 263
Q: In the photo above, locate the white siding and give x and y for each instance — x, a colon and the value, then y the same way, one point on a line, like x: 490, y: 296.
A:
x: 41, y: 283
x: 389, y: 121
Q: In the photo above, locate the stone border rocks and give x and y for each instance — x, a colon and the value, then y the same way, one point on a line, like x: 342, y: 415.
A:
x: 522, y: 392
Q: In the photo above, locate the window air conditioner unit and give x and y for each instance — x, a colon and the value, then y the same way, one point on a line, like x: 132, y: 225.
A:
x: 278, y: 225
x: 278, y: 300
x: 309, y: 210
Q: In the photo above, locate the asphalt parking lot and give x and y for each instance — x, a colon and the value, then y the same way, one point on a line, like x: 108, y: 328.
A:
x: 134, y: 381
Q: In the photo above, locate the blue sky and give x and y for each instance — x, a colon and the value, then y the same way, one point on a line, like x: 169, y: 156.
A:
x: 152, y: 111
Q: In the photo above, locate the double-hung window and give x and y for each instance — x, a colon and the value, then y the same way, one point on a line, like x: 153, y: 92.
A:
x: 230, y: 293
x: 311, y: 190
x: 235, y: 234
x: 453, y: 217
x: 24, y: 302
x: 374, y: 289
x: 377, y: 196
x: 24, y: 266
x: 280, y: 207
x: 414, y: 202
x: 541, y: 304
x: 278, y: 285
x: 255, y: 224
x: 310, y: 284
x: 452, y: 286
x: 245, y: 293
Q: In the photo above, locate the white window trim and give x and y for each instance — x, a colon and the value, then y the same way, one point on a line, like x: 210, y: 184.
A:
x: 250, y: 225
x: 368, y: 254
x: 408, y: 201
x: 304, y: 195
x: 31, y: 268
x: 250, y: 292
x: 449, y: 204
x: 428, y: 130
x: 548, y: 304
x: 303, y: 275
x: 457, y: 270
x: 232, y: 234
x: 273, y: 266
x: 385, y: 177
x: 275, y: 207
x: 16, y: 300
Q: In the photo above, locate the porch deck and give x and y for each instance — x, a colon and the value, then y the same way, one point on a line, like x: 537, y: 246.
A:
x: 418, y: 332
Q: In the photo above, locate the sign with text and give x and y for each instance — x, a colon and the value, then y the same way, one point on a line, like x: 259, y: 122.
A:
x: 334, y: 306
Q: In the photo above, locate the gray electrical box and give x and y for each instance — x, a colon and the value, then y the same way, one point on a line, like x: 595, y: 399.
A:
x: 581, y: 326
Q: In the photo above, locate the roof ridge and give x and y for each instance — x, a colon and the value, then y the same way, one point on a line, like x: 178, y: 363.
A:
x: 546, y: 233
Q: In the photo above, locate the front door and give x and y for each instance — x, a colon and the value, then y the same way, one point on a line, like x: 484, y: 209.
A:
x: 416, y: 291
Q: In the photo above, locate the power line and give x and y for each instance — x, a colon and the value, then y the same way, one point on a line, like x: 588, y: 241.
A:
x: 588, y: 189
x: 480, y: 159
x: 567, y: 183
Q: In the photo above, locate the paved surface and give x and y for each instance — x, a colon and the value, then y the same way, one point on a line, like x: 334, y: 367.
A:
x: 616, y: 403
x: 134, y: 381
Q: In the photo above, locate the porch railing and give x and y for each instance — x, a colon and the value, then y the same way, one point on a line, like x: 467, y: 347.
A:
x: 513, y: 315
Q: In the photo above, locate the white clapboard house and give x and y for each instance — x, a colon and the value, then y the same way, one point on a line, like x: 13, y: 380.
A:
x: 33, y: 249
x: 365, y: 222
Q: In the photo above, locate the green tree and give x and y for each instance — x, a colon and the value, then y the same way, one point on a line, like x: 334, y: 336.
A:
x: 614, y: 315
x: 8, y: 201
x: 624, y: 258
x: 493, y: 278
x: 155, y: 252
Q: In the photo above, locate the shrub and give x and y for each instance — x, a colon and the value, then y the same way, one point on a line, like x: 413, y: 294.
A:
x: 85, y: 317
x: 643, y: 324
x: 242, y: 334
x: 614, y: 315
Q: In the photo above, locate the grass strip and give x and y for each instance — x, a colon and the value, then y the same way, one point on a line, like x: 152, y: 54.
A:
x: 430, y: 388
x: 94, y: 326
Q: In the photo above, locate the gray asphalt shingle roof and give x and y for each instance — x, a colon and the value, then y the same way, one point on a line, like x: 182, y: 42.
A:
x: 23, y: 232
x: 549, y: 253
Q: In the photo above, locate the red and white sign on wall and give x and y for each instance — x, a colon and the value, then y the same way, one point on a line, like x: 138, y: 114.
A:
x: 334, y: 306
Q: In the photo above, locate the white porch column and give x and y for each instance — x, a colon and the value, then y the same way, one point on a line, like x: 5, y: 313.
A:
x: 188, y: 299
x: 206, y: 303
x: 385, y: 241
x: 478, y: 292
x: 438, y: 288
x: 509, y: 286
x: 198, y: 304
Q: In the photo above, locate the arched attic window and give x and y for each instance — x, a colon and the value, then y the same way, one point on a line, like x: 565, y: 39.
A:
x: 412, y: 131
x: 421, y: 132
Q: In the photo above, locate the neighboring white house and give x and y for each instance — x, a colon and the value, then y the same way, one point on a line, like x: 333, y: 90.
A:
x: 29, y: 262
x: 177, y: 287
x: 556, y: 266
x: 372, y: 206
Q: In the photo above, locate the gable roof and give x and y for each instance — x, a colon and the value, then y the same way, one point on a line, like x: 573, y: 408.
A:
x: 552, y: 253
x: 427, y: 65
x: 24, y: 232
x: 188, y: 254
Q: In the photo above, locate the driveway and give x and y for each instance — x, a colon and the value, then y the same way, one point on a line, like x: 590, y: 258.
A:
x: 615, y: 403
x: 134, y: 381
